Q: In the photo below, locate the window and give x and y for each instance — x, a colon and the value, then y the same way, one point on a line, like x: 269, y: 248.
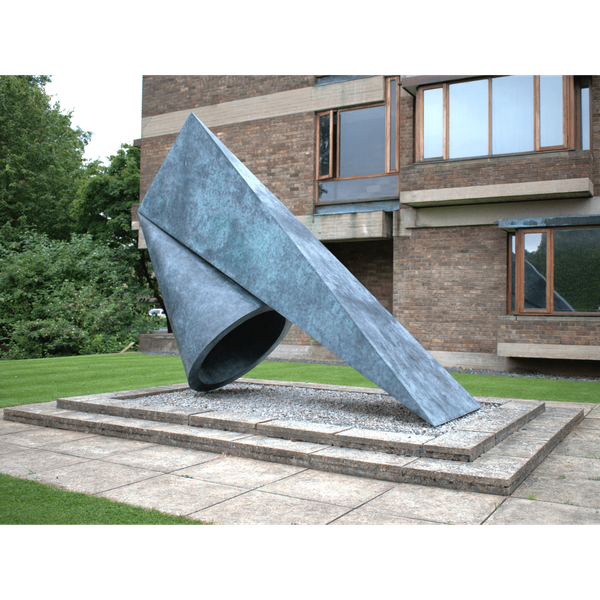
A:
x: 555, y: 271
x: 584, y: 112
x: 495, y: 115
x: 357, y: 145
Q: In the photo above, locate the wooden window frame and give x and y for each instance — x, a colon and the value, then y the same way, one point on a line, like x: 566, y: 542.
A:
x: 335, y: 131
x: 520, y: 273
x: 569, y: 121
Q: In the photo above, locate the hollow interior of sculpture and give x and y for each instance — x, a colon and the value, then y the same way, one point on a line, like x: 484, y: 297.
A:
x: 238, y: 351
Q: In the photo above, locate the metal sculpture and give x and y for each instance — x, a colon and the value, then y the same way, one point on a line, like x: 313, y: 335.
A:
x: 218, y: 237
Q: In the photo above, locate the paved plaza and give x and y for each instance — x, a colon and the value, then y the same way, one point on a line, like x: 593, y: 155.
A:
x: 231, y: 490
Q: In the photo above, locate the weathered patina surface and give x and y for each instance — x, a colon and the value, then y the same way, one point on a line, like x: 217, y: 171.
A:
x: 204, y: 198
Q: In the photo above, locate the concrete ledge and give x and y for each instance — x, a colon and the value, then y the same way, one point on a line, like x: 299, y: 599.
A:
x: 563, y: 351
x: 504, y: 192
x: 376, y: 225
x: 157, y: 342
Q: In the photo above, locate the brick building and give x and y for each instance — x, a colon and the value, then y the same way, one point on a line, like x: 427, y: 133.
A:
x: 464, y: 204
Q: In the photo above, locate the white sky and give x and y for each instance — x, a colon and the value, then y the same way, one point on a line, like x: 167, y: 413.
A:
x: 111, y: 109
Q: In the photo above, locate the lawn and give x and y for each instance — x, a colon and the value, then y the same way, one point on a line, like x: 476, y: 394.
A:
x: 41, y: 380
x: 25, y: 502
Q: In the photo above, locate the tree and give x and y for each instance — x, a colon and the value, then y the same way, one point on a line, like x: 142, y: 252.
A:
x: 41, y: 158
x: 103, y: 210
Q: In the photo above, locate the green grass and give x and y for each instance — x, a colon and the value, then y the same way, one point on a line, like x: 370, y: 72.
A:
x: 477, y: 385
x: 25, y: 502
x: 45, y: 379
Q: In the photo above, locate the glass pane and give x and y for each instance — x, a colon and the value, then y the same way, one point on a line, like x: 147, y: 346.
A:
x: 393, y: 87
x: 576, y: 270
x: 350, y: 190
x: 512, y: 114
x: 535, y: 270
x: 324, y: 145
x: 585, y: 117
x: 512, y: 272
x: 468, y: 119
x: 362, y: 141
x: 433, y: 123
x: 551, y: 110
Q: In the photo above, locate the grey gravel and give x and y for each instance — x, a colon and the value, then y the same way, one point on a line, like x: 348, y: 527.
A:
x: 378, y: 412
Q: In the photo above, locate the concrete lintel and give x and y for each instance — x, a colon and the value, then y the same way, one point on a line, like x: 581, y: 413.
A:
x: 503, y: 192
x: 377, y: 225
x: 309, y: 99
x: 491, y: 214
x: 563, y: 351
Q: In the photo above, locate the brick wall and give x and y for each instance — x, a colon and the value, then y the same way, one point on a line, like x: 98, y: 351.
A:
x: 372, y: 264
x: 168, y: 93
x: 280, y: 151
x: 495, y: 170
x: 576, y: 331
x: 450, y: 286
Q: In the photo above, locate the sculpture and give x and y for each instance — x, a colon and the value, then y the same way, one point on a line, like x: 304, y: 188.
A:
x: 236, y: 267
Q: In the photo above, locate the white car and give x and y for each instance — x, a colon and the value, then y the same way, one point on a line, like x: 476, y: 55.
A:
x: 157, y: 312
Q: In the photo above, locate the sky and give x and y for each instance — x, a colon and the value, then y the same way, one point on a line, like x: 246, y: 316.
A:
x: 112, y: 110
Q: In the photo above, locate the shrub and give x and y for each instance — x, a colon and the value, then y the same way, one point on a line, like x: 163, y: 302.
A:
x: 66, y: 298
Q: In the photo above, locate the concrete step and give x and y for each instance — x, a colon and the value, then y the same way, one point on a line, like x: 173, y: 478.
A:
x: 517, y: 440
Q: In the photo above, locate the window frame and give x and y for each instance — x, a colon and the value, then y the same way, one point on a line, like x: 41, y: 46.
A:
x: 569, y: 125
x: 519, y: 275
x: 335, y: 131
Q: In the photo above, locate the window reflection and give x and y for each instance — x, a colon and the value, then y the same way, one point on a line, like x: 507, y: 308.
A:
x: 393, y: 87
x: 468, y: 119
x: 535, y: 270
x: 576, y: 270
x: 551, y: 110
x: 585, y: 116
x: 362, y: 141
x: 433, y: 123
x: 512, y: 114
x: 324, y: 145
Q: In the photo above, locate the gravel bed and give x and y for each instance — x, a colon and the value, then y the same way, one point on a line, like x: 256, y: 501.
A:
x: 366, y: 411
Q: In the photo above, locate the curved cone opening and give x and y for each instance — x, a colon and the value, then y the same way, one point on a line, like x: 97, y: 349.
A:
x: 238, y: 351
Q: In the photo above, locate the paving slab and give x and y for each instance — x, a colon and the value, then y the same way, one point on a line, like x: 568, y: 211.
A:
x: 12, y: 427
x: 436, y: 504
x: 97, y: 446
x: 517, y: 511
x: 261, y: 508
x: 228, y: 421
x: 239, y: 471
x: 173, y: 494
x: 162, y: 458
x: 6, y: 448
x: 489, y: 473
x: 580, y: 442
x: 564, y: 480
x: 332, y: 488
x: 33, y: 461
x: 40, y: 436
x: 129, y: 408
x: 93, y: 476
x: 367, y: 516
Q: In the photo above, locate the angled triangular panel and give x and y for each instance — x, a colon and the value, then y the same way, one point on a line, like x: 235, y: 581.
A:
x: 207, y: 200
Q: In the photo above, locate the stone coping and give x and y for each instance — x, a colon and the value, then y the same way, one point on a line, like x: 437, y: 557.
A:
x: 465, y: 443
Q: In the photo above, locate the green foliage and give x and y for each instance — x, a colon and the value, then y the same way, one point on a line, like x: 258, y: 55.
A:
x: 61, y: 297
x: 106, y: 195
x: 103, y: 210
x: 41, y: 158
